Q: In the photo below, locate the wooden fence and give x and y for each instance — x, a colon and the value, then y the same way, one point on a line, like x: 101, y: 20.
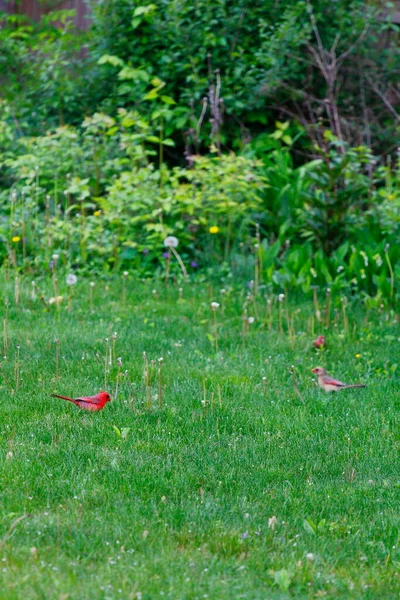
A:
x: 35, y: 9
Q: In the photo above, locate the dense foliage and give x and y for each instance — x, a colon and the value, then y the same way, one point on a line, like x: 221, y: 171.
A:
x: 161, y: 120
x: 331, y: 63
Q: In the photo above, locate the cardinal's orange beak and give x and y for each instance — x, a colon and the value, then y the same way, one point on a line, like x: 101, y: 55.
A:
x: 314, y: 370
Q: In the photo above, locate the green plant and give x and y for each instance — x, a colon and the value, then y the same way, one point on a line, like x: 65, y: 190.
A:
x: 338, y: 196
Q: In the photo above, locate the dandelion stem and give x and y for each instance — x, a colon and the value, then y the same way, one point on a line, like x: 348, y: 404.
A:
x: 57, y: 342
x: 328, y: 307
x: 16, y: 290
x: 105, y: 364
x: 5, y: 331
x: 17, y: 371
x: 160, y: 398
x: 168, y: 266
x: 180, y: 261
x: 117, y: 380
x: 215, y: 331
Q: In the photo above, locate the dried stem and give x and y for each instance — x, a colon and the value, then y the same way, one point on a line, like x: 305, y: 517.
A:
x: 296, y: 389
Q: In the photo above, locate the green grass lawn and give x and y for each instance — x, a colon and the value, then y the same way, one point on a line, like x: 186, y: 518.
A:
x: 235, y: 487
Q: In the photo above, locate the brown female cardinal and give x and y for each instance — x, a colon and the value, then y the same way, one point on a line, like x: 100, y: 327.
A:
x: 332, y: 385
x: 92, y: 403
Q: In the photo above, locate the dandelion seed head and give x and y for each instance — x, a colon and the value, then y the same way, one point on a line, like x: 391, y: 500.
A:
x: 171, y: 241
x: 71, y: 279
x: 310, y: 556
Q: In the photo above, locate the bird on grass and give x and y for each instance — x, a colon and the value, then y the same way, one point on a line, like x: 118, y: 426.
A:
x: 319, y: 342
x: 332, y: 385
x: 91, y: 403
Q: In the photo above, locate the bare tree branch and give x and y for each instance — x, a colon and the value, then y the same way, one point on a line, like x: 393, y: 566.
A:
x: 382, y: 96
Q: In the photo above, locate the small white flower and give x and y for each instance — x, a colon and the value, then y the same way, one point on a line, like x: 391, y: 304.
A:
x: 281, y: 297
x: 71, y: 279
x: 55, y: 257
x: 214, y: 305
x: 125, y: 273
x: 171, y: 241
x: 251, y: 320
x: 92, y: 284
x: 340, y: 269
x: 310, y: 556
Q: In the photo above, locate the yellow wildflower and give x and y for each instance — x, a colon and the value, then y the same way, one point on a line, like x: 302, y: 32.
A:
x: 16, y: 239
x: 214, y: 229
x: 97, y: 213
x: 358, y: 355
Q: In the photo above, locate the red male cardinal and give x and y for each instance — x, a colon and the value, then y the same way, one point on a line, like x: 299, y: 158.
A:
x: 319, y: 342
x: 332, y: 385
x: 96, y: 402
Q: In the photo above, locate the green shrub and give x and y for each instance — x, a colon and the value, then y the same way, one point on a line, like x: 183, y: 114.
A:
x: 92, y: 195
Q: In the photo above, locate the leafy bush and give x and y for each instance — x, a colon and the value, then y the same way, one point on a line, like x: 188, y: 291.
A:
x: 93, y: 195
x: 335, y: 202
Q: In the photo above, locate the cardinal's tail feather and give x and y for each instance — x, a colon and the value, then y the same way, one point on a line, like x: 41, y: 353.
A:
x: 355, y: 385
x: 64, y: 398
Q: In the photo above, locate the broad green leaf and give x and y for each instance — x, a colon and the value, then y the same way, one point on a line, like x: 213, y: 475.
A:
x: 309, y: 526
x: 110, y: 59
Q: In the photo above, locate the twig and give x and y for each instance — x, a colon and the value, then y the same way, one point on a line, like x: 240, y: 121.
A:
x: 383, y: 98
